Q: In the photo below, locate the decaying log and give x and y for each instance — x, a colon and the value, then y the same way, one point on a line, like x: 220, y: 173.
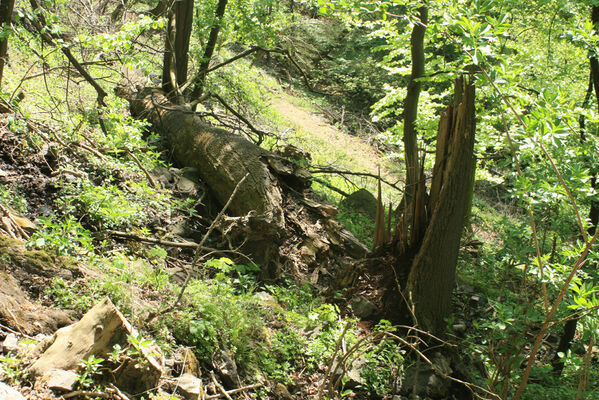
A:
x: 223, y: 158
x: 272, y: 208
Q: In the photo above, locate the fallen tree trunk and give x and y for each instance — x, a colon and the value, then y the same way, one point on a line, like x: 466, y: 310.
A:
x: 270, y: 207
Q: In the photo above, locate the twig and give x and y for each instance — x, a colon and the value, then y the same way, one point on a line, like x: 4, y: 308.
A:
x: 332, y: 361
x: 86, y: 394
x: 118, y: 392
x: 333, y: 188
x: 126, y: 235
x: 139, y: 164
x: 219, y: 386
x: 15, y: 332
x: 40, y: 24
x: 257, y: 131
x: 234, y: 391
x: 16, y: 226
x: 320, y: 170
x: 535, y: 348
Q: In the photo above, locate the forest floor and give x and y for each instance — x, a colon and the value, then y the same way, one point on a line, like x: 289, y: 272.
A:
x: 268, y: 340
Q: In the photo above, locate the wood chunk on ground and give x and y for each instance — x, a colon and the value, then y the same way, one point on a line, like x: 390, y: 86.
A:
x: 96, y: 334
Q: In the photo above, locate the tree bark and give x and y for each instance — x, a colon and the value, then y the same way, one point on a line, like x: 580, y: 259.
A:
x: 210, y: 46
x: 176, y: 58
x: 222, y: 159
x: 432, y: 275
x: 6, y: 7
x: 426, y: 262
x: 410, y: 114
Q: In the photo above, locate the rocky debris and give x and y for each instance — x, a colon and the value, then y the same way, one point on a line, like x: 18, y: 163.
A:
x: 189, y: 386
x: 351, y: 374
x: 8, y: 393
x: 281, y: 392
x: 23, y: 315
x: 60, y: 380
x: 265, y: 297
x: 96, y: 334
x: 421, y: 379
x: 10, y: 344
x: 33, y: 269
x: 362, y: 307
x: 225, y: 366
x: 361, y: 201
x: 191, y: 365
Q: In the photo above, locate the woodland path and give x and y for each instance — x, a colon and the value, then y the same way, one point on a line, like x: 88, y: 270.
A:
x: 330, y: 145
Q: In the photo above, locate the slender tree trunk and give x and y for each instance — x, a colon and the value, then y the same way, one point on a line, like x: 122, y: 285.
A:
x: 210, y: 46
x: 411, y: 103
x: 6, y: 7
x: 570, y: 326
x: 176, y: 58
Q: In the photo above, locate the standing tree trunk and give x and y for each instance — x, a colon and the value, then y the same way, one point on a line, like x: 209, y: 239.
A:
x: 210, y: 46
x: 6, y: 7
x: 432, y: 273
x: 427, y: 236
x: 174, y: 67
x: 411, y: 103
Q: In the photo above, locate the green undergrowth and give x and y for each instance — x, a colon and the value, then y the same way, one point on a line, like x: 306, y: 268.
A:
x: 504, y: 271
x: 275, y: 332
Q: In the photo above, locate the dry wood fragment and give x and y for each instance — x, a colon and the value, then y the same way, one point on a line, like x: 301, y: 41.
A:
x: 235, y: 391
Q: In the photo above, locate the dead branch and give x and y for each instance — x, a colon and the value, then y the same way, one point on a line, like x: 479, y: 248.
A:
x: 40, y: 23
x: 184, y: 245
x: 328, y: 185
x: 257, y: 131
x: 235, y: 391
x: 322, y: 170
x: 219, y: 386
x: 84, y: 393
x: 145, y: 171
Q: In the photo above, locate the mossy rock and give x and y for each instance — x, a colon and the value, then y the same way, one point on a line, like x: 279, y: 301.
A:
x: 361, y: 201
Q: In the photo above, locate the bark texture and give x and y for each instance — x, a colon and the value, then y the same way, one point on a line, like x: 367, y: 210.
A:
x: 180, y: 24
x: 411, y: 103
x: 432, y: 276
x: 427, y: 237
x: 273, y: 213
x: 6, y: 7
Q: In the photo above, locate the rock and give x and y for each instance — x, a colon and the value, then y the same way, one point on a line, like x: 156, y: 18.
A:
x: 191, y: 364
x: 352, y: 375
x: 164, y: 176
x: 226, y: 368
x: 185, y: 185
x: 60, y: 380
x: 189, y: 386
x: 281, y: 393
x: 8, y: 393
x: 361, y: 201
x: 362, y: 307
x: 10, y: 344
x: 96, y: 334
x: 421, y: 380
x: 265, y: 297
x: 24, y: 315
